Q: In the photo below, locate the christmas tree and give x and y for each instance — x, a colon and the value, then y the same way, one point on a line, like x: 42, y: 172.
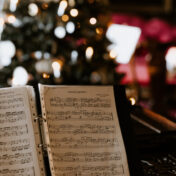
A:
x: 57, y: 42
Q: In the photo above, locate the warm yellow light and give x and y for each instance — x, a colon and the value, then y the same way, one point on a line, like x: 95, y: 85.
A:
x: 74, y: 12
x: 11, y: 18
x: 132, y: 100
x: 65, y: 18
x: 93, y: 20
x: 44, y: 5
x: 99, y: 31
x: 89, y: 52
x: 46, y: 76
x: 112, y: 54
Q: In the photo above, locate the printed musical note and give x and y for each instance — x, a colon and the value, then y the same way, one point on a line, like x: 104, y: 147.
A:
x: 28, y: 171
x: 100, y: 170
x: 83, y: 142
x: 16, y: 146
x: 80, y: 115
x: 83, y: 132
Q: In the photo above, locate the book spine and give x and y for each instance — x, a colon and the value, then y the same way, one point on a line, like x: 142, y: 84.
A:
x: 37, y: 133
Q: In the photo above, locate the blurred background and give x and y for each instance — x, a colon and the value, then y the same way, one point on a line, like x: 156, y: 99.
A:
x: 98, y: 42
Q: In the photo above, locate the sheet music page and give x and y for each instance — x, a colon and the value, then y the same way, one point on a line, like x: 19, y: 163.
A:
x: 18, y: 155
x: 83, y: 132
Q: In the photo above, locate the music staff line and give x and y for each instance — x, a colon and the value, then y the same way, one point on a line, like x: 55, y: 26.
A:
x: 11, y: 100
x: 84, y: 142
x: 14, y: 128
x: 19, y: 105
x: 80, y: 115
x: 23, y: 171
x: 77, y: 100
x: 11, y: 117
x: 16, y: 161
x: 15, y: 142
x: 15, y: 148
x: 86, y: 157
x: 82, y: 129
x: 76, y: 146
x: 111, y: 170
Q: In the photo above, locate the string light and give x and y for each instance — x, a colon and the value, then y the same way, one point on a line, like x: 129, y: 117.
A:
x: 13, y: 5
x: 113, y: 54
x: 132, y: 100
x: 47, y: 55
x: 62, y: 6
x: 33, y: 9
x: 99, y: 31
x: 20, y: 76
x: 7, y: 51
x: 38, y: 55
x: 93, y: 21
x: 171, y: 58
x: 74, y: 56
x: 60, y: 32
x: 46, y: 76
x: 65, y: 18
x: 89, y: 52
x: 56, y: 69
x: 70, y: 27
x: 74, y: 12
x: 44, y: 6
x: 11, y: 19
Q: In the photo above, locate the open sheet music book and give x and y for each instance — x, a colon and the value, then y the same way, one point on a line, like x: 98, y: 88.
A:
x: 80, y: 128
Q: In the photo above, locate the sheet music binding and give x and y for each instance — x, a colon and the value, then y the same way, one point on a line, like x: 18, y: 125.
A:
x: 37, y: 129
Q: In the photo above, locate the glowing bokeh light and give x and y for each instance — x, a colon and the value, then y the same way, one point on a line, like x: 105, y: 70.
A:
x: 65, y: 18
x: 60, y: 32
x: 99, y: 31
x: 70, y: 27
x: 74, y: 12
x: 20, y: 76
x: 7, y: 51
x: 89, y: 52
x: 112, y: 54
x: 56, y: 69
x: 11, y: 19
x: 132, y: 100
x: 46, y: 76
x: 38, y: 55
x: 74, y: 56
x: 93, y: 21
x: 171, y: 58
x: 62, y: 6
x: 124, y: 41
x: 33, y: 9
x: 13, y: 5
